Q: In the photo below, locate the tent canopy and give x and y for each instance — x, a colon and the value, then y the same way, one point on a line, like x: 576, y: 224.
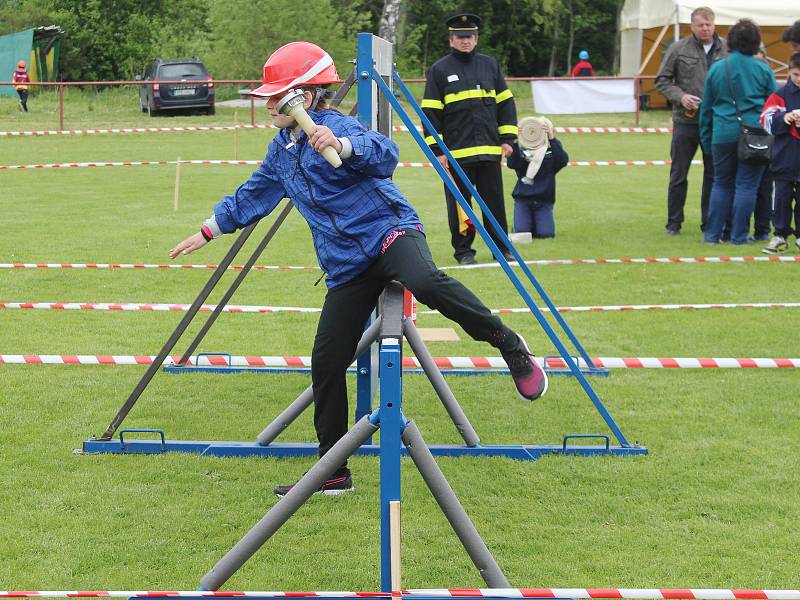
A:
x: 644, y: 14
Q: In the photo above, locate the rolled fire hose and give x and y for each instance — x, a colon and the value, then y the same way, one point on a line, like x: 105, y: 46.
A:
x: 533, y: 142
x: 292, y: 105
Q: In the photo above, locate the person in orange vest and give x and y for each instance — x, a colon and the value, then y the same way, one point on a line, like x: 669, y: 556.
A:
x: 583, y: 68
x: 20, y: 78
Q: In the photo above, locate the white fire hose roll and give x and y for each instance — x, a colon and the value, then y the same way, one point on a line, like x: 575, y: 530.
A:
x: 533, y: 143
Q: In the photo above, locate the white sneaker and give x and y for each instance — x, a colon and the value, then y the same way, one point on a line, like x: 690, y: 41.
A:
x: 777, y: 245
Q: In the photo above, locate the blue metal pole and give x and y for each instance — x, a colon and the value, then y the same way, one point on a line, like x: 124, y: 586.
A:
x: 366, y: 379
x: 391, y: 429
x: 454, y: 165
x: 568, y: 359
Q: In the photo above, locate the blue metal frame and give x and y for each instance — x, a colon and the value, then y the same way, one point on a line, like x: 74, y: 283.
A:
x: 365, y: 72
x: 568, y: 359
x: 225, y: 449
x: 392, y: 425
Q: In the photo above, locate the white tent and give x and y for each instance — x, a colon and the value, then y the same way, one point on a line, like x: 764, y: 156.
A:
x: 648, y: 26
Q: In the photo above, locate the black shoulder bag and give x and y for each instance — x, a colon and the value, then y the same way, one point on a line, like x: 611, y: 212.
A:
x: 755, y: 143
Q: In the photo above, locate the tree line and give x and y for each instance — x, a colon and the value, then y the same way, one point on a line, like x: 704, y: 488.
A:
x: 115, y: 39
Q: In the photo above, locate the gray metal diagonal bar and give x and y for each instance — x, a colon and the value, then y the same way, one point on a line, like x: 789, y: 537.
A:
x: 173, y: 339
x: 288, y: 505
x: 443, y: 494
x: 237, y: 282
x: 304, y: 400
x: 443, y: 390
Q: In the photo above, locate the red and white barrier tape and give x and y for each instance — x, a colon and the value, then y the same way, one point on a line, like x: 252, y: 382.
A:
x: 269, y: 126
x: 539, y: 262
x: 244, y: 308
x: 132, y: 306
x: 185, y: 594
x: 597, y: 593
x: 146, y: 266
x: 622, y: 261
x: 445, y: 362
x: 141, y: 163
x: 583, y: 593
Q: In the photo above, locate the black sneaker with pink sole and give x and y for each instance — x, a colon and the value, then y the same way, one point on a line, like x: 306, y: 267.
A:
x: 340, y: 482
x: 529, y: 378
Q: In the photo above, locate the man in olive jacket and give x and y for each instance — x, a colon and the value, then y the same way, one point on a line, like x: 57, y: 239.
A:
x: 681, y: 79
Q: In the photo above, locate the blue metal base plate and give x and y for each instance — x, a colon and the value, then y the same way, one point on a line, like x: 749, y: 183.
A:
x: 290, y: 449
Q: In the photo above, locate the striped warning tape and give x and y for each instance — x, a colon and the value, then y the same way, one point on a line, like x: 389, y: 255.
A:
x: 402, y: 128
x: 445, y: 362
x: 582, y: 593
x: 131, y: 306
x: 237, y: 308
x: 552, y: 261
x: 100, y: 266
x: 141, y: 163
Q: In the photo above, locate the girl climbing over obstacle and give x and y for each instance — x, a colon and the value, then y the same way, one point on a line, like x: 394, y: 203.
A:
x: 365, y: 233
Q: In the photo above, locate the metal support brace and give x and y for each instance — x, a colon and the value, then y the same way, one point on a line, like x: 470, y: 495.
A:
x: 304, y: 400
x: 173, y: 339
x: 288, y: 505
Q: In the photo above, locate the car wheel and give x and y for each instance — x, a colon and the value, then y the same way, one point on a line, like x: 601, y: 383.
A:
x: 211, y: 110
x: 151, y: 110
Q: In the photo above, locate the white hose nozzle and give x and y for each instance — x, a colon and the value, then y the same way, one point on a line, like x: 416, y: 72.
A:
x: 292, y: 105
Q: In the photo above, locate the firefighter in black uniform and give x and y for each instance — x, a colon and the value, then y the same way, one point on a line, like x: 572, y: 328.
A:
x: 470, y: 106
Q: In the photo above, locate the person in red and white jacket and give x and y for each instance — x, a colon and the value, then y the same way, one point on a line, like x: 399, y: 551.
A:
x: 20, y: 78
x: 781, y: 117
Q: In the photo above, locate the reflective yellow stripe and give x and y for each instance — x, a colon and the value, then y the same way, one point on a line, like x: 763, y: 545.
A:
x: 512, y: 129
x: 504, y: 95
x: 467, y: 94
x: 475, y: 150
x: 432, y: 104
x: 430, y: 141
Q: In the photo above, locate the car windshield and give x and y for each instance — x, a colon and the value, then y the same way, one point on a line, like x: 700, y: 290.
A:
x: 184, y: 71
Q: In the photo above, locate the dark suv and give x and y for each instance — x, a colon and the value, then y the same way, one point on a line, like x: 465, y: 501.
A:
x: 195, y: 89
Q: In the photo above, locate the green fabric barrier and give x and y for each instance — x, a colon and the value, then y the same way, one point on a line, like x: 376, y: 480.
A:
x: 13, y: 48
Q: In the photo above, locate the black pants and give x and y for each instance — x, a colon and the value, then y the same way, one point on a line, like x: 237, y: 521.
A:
x: 347, y: 307
x: 786, y: 193
x: 23, y: 99
x: 762, y: 215
x: 685, y: 141
x: 488, y: 180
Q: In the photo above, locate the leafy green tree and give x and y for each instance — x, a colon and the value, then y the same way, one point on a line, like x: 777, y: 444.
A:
x: 245, y: 32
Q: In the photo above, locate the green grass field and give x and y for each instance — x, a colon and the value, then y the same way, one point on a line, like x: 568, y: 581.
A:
x: 714, y: 504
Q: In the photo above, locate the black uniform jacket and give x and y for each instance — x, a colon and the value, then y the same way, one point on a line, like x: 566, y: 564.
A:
x: 470, y: 106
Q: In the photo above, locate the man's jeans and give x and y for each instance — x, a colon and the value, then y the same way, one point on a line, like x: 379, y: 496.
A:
x: 733, y: 193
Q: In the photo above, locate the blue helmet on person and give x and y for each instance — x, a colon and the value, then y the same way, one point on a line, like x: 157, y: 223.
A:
x: 583, y: 55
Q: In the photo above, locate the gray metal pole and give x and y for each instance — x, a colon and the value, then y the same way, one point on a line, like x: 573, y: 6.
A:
x: 443, y: 390
x: 173, y: 339
x: 236, y: 283
x: 452, y: 509
x: 304, y: 400
x: 288, y: 505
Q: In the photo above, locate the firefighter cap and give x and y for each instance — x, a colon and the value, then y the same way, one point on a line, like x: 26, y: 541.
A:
x: 463, y: 25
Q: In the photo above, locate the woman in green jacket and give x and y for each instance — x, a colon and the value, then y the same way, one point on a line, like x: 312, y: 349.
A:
x: 733, y: 193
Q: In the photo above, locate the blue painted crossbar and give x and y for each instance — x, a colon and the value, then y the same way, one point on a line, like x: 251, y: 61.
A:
x: 292, y: 449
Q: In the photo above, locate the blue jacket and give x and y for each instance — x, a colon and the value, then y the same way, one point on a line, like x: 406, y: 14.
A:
x: 350, y: 210
x: 543, y: 187
x: 752, y: 82
x: 785, y: 163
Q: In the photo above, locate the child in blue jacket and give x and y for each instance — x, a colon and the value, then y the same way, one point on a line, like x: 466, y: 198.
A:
x: 365, y: 234
x: 781, y: 117
x: 536, y: 167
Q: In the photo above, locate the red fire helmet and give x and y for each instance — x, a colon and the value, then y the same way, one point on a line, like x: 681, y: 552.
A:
x: 294, y: 65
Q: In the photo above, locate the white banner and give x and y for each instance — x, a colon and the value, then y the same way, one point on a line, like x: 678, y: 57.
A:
x: 581, y: 95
